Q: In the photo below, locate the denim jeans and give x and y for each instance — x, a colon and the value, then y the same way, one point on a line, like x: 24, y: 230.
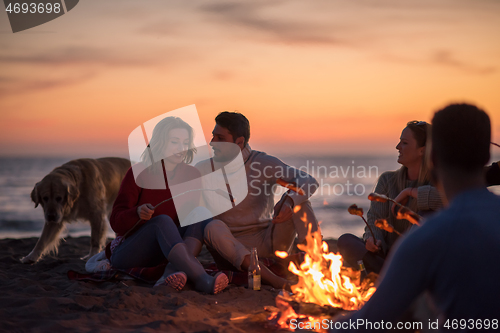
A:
x: 150, y: 245
x: 353, y: 249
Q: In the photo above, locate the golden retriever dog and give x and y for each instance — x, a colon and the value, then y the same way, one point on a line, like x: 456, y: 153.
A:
x: 83, y: 189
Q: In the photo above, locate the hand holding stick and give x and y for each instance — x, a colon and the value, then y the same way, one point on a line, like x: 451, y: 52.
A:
x: 218, y: 191
x: 355, y: 210
x: 403, y: 211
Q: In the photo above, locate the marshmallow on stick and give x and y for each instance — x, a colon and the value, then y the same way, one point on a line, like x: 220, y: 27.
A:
x: 355, y: 210
x: 384, y: 225
x: 403, y: 212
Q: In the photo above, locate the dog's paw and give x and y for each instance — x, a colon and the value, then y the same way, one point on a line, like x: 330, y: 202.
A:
x: 30, y: 259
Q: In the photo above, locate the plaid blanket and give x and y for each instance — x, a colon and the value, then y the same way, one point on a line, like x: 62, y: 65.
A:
x: 152, y: 274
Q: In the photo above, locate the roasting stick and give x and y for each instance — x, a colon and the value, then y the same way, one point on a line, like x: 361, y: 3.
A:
x: 403, y: 213
x: 355, y: 210
x: 384, y: 225
x: 290, y: 186
x: 218, y: 191
x: 283, y: 183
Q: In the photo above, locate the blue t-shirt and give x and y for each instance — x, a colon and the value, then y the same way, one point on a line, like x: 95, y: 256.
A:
x: 454, y: 256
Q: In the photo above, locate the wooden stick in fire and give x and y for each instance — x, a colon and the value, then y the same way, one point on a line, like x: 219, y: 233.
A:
x: 384, y: 225
x: 403, y: 211
x: 355, y: 210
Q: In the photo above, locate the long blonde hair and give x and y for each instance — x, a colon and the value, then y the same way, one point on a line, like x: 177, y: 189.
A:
x: 421, y: 132
x: 159, y: 142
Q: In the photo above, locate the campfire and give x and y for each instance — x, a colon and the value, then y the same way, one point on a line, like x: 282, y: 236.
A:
x: 325, y: 288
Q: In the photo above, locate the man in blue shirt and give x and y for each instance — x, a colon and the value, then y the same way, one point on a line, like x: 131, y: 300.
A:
x: 454, y: 255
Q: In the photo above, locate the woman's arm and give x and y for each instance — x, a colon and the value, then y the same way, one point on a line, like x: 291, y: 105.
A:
x: 427, y: 196
x: 379, y: 210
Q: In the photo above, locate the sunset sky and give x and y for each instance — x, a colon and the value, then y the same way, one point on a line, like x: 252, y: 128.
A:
x: 311, y: 76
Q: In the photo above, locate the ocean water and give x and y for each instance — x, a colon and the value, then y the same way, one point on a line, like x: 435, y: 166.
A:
x: 343, y: 181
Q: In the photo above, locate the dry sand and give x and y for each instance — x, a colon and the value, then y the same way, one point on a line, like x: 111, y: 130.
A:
x: 40, y: 298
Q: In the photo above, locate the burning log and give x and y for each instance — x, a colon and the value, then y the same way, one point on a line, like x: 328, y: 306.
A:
x: 320, y: 278
x: 384, y: 225
x: 403, y: 212
x: 289, y: 308
x: 306, y: 309
x: 325, y: 288
x: 355, y: 210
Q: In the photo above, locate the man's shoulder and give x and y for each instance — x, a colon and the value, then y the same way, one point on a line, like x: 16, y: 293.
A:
x: 258, y: 154
x: 264, y: 158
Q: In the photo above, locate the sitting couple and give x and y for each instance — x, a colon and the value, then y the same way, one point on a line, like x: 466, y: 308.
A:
x: 254, y: 222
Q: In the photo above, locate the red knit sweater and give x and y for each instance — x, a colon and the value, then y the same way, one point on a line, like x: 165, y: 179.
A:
x: 124, y: 215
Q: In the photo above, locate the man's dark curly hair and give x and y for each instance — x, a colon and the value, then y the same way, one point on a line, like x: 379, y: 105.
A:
x: 236, y: 123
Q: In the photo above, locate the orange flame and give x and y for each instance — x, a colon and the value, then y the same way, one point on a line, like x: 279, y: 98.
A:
x: 320, y: 278
x: 325, y: 203
x: 286, y: 312
x: 296, y: 208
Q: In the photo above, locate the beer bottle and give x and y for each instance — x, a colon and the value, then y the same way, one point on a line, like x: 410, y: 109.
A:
x: 362, y: 269
x: 254, y: 273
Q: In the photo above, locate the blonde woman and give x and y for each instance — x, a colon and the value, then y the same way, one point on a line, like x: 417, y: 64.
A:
x: 409, y: 185
x: 158, y: 236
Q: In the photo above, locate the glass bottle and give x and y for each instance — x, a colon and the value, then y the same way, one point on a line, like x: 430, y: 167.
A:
x: 362, y: 269
x: 254, y: 273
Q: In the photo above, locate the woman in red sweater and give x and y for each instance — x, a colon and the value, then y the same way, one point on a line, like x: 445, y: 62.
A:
x: 146, y: 235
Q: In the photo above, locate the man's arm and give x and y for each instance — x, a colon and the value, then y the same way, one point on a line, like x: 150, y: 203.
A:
x: 278, y: 169
x: 493, y: 174
x: 404, y: 277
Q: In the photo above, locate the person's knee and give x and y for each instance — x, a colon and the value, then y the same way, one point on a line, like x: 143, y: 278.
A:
x: 303, y: 207
x: 197, y: 230
x: 344, y: 241
x: 198, y: 214
x: 162, y: 221
x: 305, y: 211
x: 213, y: 228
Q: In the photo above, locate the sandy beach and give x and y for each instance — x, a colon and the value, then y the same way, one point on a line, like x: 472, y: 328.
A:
x: 41, y: 298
